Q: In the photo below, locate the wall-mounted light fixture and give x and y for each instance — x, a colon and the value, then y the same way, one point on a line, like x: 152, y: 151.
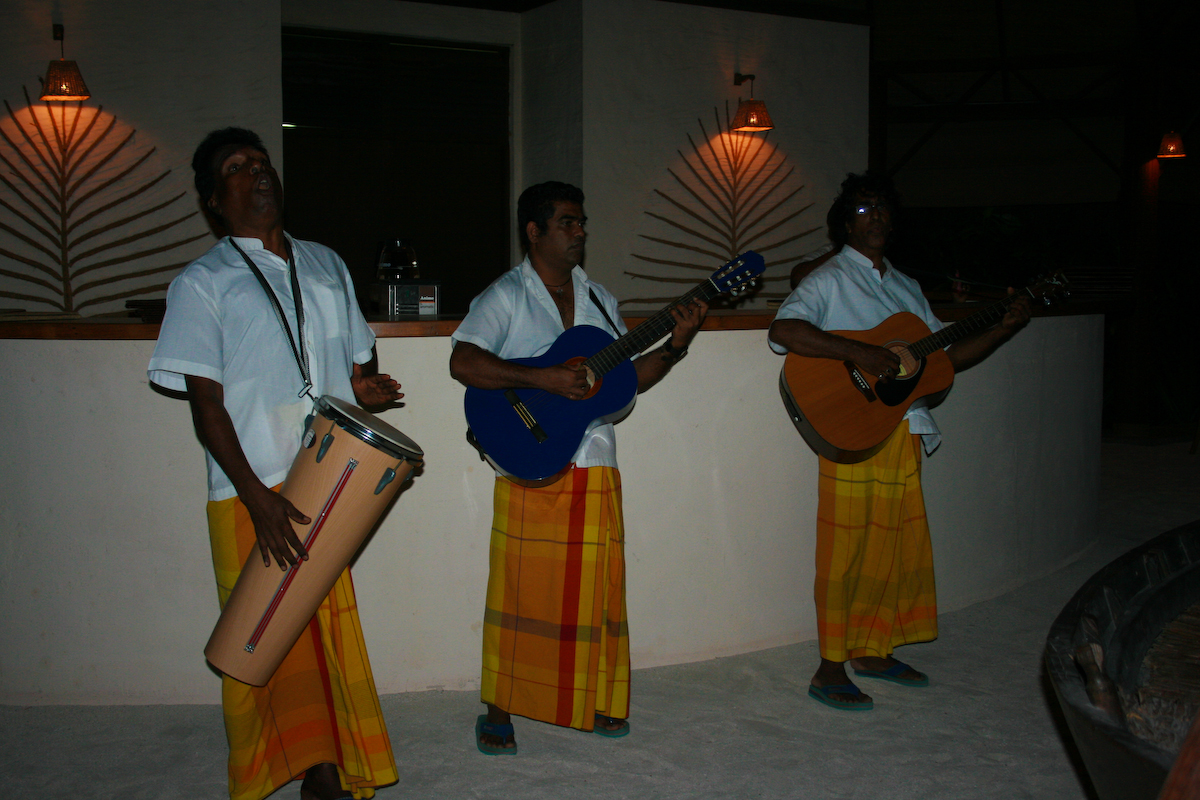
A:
x: 1172, y: 146
x: 63, y: 79
x: 751, y: 114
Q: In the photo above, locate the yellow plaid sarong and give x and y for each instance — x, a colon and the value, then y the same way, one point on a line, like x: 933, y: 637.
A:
x: 320, y: 706
x: 555, y: 635
x: 875, y: 588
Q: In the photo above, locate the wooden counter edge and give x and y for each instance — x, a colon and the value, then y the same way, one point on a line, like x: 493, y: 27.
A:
x: 110, y: 329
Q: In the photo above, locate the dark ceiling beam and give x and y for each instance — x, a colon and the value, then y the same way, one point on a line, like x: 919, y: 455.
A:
x: 936, y: 126
x: 944, y: 65
x: 804, y: 9
x: 991, y: 112
x: 1002, y: 48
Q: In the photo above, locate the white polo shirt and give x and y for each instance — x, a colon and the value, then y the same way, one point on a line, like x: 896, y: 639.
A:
x: 516, y: 317
x: 847, y: 293
x: 221, y: 325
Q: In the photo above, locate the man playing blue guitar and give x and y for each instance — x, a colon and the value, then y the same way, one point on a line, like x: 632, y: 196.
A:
x: 555, y: 637
x: 874, y: 585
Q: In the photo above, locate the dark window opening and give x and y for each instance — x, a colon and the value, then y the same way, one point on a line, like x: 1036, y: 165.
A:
x: 389, y: 138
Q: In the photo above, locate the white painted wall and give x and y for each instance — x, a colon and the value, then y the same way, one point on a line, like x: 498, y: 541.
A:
x: 653, y: 69
x: 106, y: 591
x: 552, y: 71
x: 173, y: 72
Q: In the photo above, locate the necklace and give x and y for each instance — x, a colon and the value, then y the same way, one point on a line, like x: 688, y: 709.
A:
x: 557, y: 288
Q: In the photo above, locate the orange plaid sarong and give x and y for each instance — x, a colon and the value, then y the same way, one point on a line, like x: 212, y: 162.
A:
x: 555, y: 635
x: 320, y: 706
x: 874, y: 588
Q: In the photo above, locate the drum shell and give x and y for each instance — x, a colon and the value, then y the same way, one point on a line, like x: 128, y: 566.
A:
x: 310, y: 484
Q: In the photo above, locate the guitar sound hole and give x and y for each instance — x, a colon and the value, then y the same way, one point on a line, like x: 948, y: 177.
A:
x: 909, y: 366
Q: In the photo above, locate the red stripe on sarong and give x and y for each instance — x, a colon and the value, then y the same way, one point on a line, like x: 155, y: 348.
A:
x: 568, y: 636
x: 315, y: 628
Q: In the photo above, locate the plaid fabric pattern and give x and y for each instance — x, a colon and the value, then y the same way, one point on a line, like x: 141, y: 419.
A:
x: 320, y: 706
x: 874, y: 588
x: 555, y: 636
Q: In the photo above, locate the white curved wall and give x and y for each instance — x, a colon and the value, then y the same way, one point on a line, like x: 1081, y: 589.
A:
x: 106, y: 592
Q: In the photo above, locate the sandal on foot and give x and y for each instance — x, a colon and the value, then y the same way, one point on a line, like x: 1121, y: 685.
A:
x: 612, y: 733
x: 893, y: 674
x: 822, y: 694
x: 482, y: 726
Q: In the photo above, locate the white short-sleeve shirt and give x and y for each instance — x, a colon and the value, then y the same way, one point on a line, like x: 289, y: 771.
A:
x: 847, y: 293
x: 221, y: 325
x: 515, y: 317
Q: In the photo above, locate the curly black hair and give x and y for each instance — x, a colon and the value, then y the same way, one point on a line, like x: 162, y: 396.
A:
x: 871, y: 184
x: 536, y: 204
x: 202, y: 160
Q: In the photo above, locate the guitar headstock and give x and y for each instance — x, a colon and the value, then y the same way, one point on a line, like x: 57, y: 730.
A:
x: 1050, y: 287
x: 738, y: 274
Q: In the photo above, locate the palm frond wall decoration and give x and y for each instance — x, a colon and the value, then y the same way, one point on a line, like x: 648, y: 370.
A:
x: 734, y: 192
x: 80, y: 222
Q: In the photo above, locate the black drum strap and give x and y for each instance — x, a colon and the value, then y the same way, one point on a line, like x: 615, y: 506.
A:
x: 297, y: 343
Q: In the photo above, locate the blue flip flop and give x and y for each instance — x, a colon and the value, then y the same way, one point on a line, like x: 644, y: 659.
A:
x: 482, y: 726
x: 611, y: 734
x: 822, y: 695
x: 893, y: 674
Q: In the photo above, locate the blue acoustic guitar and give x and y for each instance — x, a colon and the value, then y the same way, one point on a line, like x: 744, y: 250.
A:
x: 531, y: 435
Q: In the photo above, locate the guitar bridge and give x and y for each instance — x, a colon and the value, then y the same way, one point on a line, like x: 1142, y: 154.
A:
x: 526, y: 416
x: 859, y: 381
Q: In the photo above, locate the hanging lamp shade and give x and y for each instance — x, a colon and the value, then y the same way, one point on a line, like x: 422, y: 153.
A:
x: 64, y: 82
x: 752, y: 116
x: 1172, y: 146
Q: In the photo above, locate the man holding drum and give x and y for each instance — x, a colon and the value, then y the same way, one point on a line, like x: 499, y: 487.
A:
x: 256, y: 330
x: 555, y: 640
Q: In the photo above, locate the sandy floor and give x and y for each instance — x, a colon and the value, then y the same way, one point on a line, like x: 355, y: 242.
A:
x: 738, y: 727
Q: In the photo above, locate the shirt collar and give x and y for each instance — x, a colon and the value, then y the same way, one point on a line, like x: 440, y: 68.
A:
x: 249, y: 243
x: 864, y: 263
x: 535, y: 280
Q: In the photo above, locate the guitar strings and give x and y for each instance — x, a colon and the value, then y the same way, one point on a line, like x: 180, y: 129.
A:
x: 634, y: 341
x: 984, y: 318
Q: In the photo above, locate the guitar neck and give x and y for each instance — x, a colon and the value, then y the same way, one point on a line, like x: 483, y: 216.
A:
x: 647, y: 333
x: 980, y: 320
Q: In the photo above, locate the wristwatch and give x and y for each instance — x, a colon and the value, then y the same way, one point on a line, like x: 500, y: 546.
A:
x: 675, y: 355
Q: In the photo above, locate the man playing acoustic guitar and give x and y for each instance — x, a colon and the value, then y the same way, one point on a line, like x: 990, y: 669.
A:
x: 874, y: 587
x: 555, y: 637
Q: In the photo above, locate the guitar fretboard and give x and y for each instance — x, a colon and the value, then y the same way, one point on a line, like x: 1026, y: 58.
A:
x: 648, y: 332
x: 980, y: 320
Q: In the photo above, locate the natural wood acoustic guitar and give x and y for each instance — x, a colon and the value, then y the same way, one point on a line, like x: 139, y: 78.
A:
x: 846, y: 414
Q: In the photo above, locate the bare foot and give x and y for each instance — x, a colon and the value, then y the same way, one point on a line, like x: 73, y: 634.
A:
x: 498, y: 716
x: 322, y: 783
x: 833, y: 673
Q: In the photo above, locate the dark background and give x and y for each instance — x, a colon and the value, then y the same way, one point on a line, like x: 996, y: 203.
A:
x: 404, y: 139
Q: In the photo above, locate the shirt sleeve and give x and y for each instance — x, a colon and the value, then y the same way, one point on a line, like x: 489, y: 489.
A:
x: 611, y: 306
x: 362, y: 338
x: 487, y: 321
x: 925, y: 312
x: 189, y: 341
x: 808, y: 302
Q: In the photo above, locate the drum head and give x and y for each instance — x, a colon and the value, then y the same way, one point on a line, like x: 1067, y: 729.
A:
x: 370, y: 428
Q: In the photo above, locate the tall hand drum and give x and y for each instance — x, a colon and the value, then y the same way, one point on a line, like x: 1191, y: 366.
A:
x: 350, y: 466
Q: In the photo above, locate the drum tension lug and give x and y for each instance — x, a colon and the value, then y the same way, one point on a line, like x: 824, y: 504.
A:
x: 389, y: 475
x: 324, y: 448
